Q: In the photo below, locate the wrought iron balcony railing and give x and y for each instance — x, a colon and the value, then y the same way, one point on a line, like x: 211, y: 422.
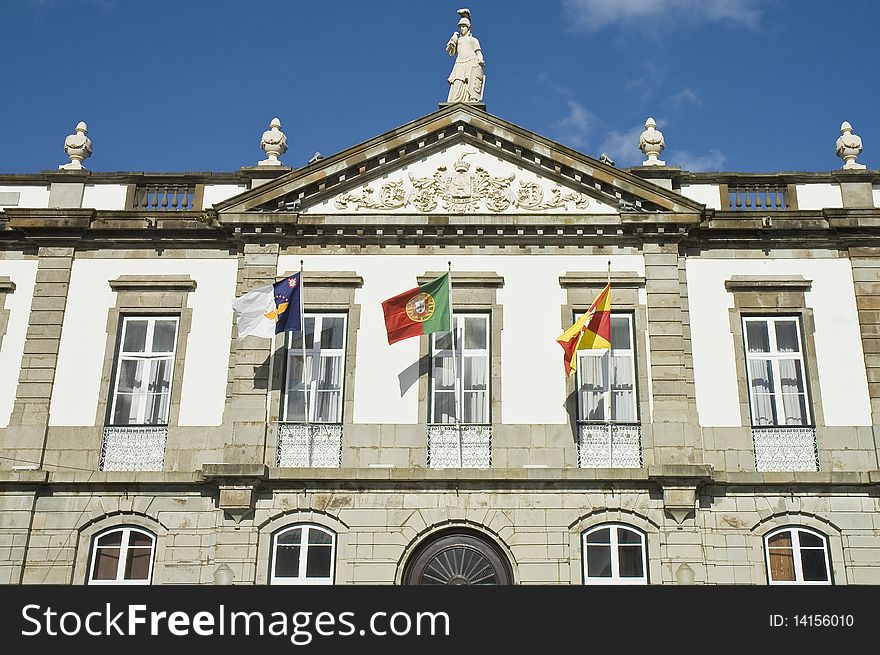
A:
x: 309, y: 445
x: 459, y: 446
x: 133, y: 448
x: 785, y: 449
x: 609, y: 445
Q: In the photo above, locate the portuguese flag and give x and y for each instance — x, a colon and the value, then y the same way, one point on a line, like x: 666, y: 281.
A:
x: 592, y: 330
x: 422, y: 310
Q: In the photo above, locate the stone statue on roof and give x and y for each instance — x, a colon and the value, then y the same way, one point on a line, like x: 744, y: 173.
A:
x: 467, y: 77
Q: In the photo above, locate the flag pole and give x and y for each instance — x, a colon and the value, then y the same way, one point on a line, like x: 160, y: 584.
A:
x: 302, y: 325
x: 455, y: 385
x: 269, y: 399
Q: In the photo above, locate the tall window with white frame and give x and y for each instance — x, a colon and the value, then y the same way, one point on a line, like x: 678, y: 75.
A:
x: 310, y: 433
x: 303, y: 554
x: 785, y: 439
x: 136, y: 431
x: 122, y: 555
x: 609, y: 434
x: 459, y: 430
x: 614, y: 554
x: 797, y: 555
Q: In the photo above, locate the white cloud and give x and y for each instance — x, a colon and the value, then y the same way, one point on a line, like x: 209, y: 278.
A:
x: 593, y: 15
x: 623, y: 147
x: 688, y: 161
x: 684, y: 96
x: 576, y: 127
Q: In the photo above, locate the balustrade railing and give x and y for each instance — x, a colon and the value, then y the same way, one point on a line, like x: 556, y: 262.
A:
x: 309, y: 445
x: 785, y: 449
x: 165, y: 197
x: 459, y: 446
x: 609, y: 445
x: 133, y: 448
x: 758, y: 197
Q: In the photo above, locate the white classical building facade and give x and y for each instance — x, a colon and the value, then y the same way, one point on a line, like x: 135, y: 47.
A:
x: 729, y: 436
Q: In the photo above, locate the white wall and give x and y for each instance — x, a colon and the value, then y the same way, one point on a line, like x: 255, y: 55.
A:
x: 707, y: 194
x: 215, y: 193
x: 24, y: 274
x: 841, y: 365
x: 30, y: 196
x: 84, y: 336
x: 447, y: 157
x: 104, y: 196
x: 876, y: 193
x: 818, y: 196
x: 533, y: 380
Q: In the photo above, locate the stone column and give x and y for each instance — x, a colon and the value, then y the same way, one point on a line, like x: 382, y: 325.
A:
x: 675, y: 427
x: 30, y: 413
x: 244, y: 417
x: 866, y: 279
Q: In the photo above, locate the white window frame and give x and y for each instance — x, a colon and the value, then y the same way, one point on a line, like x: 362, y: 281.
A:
x: 615, y: 578
x: 315, y: 353
x: 461, y: 354
x: 147, y: 356
x: 608, y: 355
x: 796, y: 549
x: 774, y: 355
x: 301, y: 578
x: 123, y: 556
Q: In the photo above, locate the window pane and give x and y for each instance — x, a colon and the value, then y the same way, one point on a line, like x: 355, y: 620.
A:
x: 130, y: 375
x: 319, y: 537
x: 327, y: 407
x: 138, y: 565
x: 442, y: 341
x: 599, y: 561
x: 444, y: 408
x: 593, y: 385
x: 139, y: 539
x: 763, y: 407
x: 475, y: 408
x: 442, y: 370
x: 810, y: 540
x: 163, y: 336
x: 291, y: 536
x: 332, y: 332
x: 135, y: 336
x: 602, y: 536
x: 625, y: 536
x: 287, y: 561
x: 111, y: 539
x: 813, y: 565
x: 160, y: 376
x: 156, y: 410
x: 475, y: 333
x: 781, y: 565
x: 126, y: 410
x: 107, y: 563
x: 318, y: 563
x: 620, y: 333
x: 786, y: 336
x: 630, y: 561
x: 790, y: 376
x: 623, y: 397
x: 757, y: 337
x: 476, y: 372
x: 780, y: 540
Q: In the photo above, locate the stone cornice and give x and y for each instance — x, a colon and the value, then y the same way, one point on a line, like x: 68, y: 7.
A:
x: 598, y: 279
x: 6, y: 284
x: 766, y: 282
x: 465, y: 278
x: 153, y: 283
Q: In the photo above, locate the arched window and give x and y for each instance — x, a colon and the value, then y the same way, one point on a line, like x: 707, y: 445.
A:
x: 797, y: 556
x: 303, y: 554
x: 122, y: 556
x: 614, y: 554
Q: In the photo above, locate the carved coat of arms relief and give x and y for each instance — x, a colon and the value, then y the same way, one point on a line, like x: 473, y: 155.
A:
x: 462, y: 191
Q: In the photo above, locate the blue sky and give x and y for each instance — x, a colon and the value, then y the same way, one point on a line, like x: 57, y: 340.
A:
x: 735, y: 85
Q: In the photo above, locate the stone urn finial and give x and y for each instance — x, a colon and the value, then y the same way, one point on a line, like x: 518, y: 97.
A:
x: 651, y: 143
x: 273, y: 143
x: 849, y: 146
x: 78, y: 147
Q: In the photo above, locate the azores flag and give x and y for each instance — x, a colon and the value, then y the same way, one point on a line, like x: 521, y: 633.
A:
x: 270, y: 310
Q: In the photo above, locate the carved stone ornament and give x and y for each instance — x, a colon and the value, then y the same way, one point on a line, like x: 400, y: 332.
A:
x: 273, y: 143
x: 462, y: 192
x: 651, y: 143
x: 849, y: 147
x: 78, y: 147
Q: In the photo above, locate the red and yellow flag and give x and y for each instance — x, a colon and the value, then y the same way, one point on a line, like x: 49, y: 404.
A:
x: 592, y: 330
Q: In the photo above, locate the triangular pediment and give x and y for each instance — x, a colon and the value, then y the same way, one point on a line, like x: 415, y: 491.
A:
x: 458, y: 160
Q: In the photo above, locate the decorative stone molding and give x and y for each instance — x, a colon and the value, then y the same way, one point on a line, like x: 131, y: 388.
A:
x: 767, y: 282
x: 78, y: 147
x: 462, y: 192
x: 849, y: 147
x: 466, y: 279
x: 153, y: 283
x: 273, y: 143
x: 652, y: 143
x: 680, y: 484
x: 619, y: 279
x: 6, y: 285
x: 237, y: 485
